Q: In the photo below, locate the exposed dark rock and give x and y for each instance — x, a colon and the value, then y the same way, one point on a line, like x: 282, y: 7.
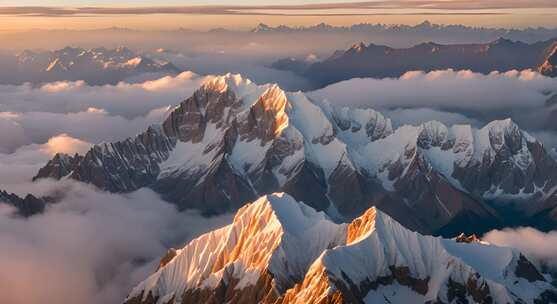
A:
x: 28, y: 206
x: 458, y: 293
x: 61, y: 165
x: 547, y: 297
x: 351, y: 269
x: 525, y: 269
x: 380, y: 61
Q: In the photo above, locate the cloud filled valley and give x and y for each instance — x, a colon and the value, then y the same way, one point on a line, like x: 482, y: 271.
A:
x: 98, y: 245
x: 91, y: 247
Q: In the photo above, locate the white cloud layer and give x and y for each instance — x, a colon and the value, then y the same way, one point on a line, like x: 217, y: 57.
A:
x: 463, y: 90
x: 124, y: 99
x: 536, y: 244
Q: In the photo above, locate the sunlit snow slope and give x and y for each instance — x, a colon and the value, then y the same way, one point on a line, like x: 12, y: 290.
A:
x: 278, y: 250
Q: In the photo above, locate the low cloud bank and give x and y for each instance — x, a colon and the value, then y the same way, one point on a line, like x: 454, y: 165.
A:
x: 536, y: 244
x: 463, y: 90
x: 92, y: 247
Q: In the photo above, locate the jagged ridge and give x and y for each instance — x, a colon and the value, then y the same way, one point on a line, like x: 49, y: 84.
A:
x: 549, y: 66
x: 27, y: 206
x: 233, y: 141
x: 280, y: 251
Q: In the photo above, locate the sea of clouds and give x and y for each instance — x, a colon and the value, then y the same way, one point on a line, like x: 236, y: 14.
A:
x: 92, y: 247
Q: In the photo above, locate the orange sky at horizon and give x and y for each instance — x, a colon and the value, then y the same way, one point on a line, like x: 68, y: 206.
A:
x: 506, y: 18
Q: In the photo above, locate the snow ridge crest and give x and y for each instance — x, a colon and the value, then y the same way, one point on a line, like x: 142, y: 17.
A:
x: 278, y: 250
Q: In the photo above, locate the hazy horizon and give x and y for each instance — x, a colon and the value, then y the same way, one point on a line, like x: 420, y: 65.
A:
x: 199, y: 15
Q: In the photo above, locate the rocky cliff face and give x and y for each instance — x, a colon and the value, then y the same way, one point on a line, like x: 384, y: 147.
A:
x: 280, y: 251
x: 27, y: 206
x: 233, y: 141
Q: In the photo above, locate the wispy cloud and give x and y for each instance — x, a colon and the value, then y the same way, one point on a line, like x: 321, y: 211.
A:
x: 431, y: 7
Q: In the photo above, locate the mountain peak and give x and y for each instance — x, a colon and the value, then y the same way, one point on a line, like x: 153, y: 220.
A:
x: 501, y: 41
x: 269, y: 96
x: 235, y: 82
x: 262, y: 27
x: 425, y: 23
x: 549, y: 66
x: 502, y: 124
x: 269, y: 235
x: 505, y: 127
x: 25, y: 207
x: 361, y: 226
x: 357, y: 47
x: 295, y: 217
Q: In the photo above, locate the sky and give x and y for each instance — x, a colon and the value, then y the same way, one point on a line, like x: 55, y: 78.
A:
x: 244, y: 14
x: 150, y: 2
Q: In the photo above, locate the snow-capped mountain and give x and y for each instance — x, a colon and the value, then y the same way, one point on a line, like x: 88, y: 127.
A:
x: 278, y: 250
x: 233, y: 141
x: 379, y: 61
x: 424, y: 30
x: 96, y: 66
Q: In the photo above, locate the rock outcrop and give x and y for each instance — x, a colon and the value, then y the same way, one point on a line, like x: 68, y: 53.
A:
x: 549, y: 66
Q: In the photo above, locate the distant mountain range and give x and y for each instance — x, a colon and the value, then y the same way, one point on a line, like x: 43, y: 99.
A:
x: 279, y: 251
x: 95, y: 66
x: 424, y: 29
x: 380, y: 61
x: 233, y: 141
